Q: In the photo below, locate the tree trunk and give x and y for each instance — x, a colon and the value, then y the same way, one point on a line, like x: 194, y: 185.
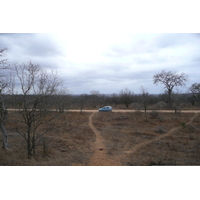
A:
x: 145, y: 112
x: 29, y: 145
x: 33, y: 145
x: 5, y: 137
x: 3, y: 117
x: 170, y: 97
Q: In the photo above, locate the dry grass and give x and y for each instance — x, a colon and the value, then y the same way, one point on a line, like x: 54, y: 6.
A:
x: 67, y: 143
x: 124, y: 132
x: 70, y: 141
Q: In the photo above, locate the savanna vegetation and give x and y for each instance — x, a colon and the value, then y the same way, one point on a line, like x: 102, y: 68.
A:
x: 163, y: 139
x: 38, y: 127
x: 129, y: 139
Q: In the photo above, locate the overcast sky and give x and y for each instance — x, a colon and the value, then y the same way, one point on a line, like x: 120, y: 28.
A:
x: 98, y: 49
x: 108, y: 63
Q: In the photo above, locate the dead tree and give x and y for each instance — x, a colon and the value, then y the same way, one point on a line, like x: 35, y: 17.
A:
x: 38, y: 89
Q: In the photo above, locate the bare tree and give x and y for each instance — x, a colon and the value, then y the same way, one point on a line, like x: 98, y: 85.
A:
x: 170, y: 80
x: 195, y: 91
x: 115, y: 98
x: 144, y: 99
x: 82, y: 101
x: 95, y: 97
x: 126, y: 97
x: 3, y: 62
x: 3, y: 118
x: 39, y: 89
x: 3, y: 85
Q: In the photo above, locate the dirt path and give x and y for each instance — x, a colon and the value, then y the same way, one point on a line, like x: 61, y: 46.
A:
x: 100, y: 156
x: 171, y: 131
x: 121, y: 110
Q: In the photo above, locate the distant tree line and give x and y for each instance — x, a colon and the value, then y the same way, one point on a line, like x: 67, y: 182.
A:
x: 130, y: 100
x: 170, y: 99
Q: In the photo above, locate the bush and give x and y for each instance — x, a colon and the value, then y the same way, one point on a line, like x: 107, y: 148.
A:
x: 183, y: 124
x: 160, y: 105
x: 160, y: 130
x: 189, y: 128
x: 154, y: 114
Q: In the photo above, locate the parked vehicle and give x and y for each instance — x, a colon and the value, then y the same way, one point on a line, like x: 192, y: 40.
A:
x: 105, y: 109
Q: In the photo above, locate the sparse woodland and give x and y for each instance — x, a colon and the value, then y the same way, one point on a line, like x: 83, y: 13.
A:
x: 37, y: 127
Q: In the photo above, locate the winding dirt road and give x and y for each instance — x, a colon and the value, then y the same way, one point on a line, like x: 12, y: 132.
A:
x: 101, y: 158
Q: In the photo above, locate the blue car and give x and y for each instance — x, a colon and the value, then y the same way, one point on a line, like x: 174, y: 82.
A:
x: 105, y: 109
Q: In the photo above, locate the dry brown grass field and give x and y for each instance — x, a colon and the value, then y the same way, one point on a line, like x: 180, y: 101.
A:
x: 67, y: 143
x: 163, y: 139
x: 117, y: 139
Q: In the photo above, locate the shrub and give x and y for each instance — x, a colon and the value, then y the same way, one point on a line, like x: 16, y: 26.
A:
x: 160, y: 130
x: 160, y: 105
x: 191, y: 128
x: 183, y: 124
x: 188, y: 128
x: 154, y: 114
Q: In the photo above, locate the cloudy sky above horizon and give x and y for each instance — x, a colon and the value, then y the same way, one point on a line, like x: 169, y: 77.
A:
x: 108, y: 63
x: 101, y: 48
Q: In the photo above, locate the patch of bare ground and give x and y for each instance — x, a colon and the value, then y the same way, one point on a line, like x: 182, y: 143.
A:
x: 160, y: 140
x: 67, y: 143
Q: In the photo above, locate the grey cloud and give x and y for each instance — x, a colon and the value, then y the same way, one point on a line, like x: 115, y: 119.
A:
x: 43, y: 46
x: 117, y: 51
x: 150, y: 45
x: 130, y: 64
x: 113, y: 66
x: 169, y: 40
x: 111, y: 82
x: 176, y: 40
x: 33, y: 45
x: 92, y: 77
x: 121, y: 51
x: 196, y: 60
x: 196, y: 34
